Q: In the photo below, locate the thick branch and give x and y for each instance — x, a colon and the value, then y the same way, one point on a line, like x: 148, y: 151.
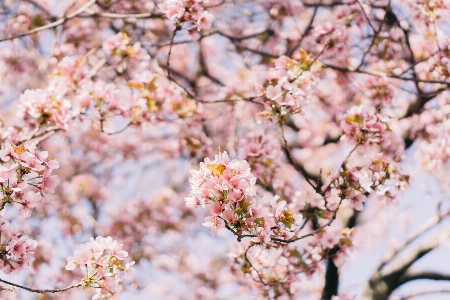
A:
x: 410, y: 276
x: 424, y: 228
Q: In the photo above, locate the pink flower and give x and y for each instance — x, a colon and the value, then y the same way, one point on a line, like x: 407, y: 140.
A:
x: 273, y: 92
x: 329, y: 239
x: 357, y: 202
x: 28, y: 202
x: 216, y: 209
x: 205, y: 21
x: 215, y: 223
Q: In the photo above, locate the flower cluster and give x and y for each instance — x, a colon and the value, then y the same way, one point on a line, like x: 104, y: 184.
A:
x: 432, y: 9
x: 51, y: 106
x: 229, y: 188
x: 281, y: 265
x: 366, y: 125
x: 102, y: 261
x: 290, y: 84
x: 187, y: 11
x: 332, y: 35
x: 119, y: 47
x: 379, y: 91
x: 25, y: 167
x: 16, y: 249
x: 104, y: 96
x: 382, y: 177
x: 158, y: 98
x: 263, y: 153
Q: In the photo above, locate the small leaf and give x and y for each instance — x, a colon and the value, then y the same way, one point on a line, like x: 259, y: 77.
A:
x: 135, y: 84
x: 355, y: 119
x: 216, y: 168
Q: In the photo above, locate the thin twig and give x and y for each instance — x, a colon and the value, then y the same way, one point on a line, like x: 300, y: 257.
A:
x: 41, y: 291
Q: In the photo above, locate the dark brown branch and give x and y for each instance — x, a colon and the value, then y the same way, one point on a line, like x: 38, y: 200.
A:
x: 41, y: 291
x: 321, y: 3
x: 378, y: 74
x: 312, y: 180
x: 410, y: 276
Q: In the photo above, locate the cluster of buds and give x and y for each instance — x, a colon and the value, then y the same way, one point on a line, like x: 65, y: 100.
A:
x: 102, y: 262
x: 289, y: 84
x: 16, y: 249
x: 229, y: 188
x: 187, y: 11
x: 24, y: 169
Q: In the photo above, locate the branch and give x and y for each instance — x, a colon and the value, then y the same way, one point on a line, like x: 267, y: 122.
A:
x: 401, y: 266
x: 367, y: 18
x: 245, y: 37
x: 92, y: 13
x: 54, y: 24
x: 299, y: 168
x: 379, y: 74
x: 305, y: 33
x: 257, y: 272
x: 321, y: 3
x: 425, y: 227
x: 437, y: 291
x: 41, y: 291
x: 410, y: 276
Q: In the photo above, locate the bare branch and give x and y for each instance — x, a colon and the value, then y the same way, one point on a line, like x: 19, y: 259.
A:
x: 436, y: 291
x: 425, y: 227
x: 41, y: 291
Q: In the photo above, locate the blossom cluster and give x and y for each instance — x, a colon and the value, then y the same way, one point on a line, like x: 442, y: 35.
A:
x: 155, y: 98
x: 16, y: 249
x: 184, y: 11
x: 229, y: 188
x: 263, y: 153
x: 281, y: 265
x: 24, y: 167
x: 53, y: 105
x: 102, y: 262
x: 382, y: 177
x: 139, y: 217
x: 440, y: 67
x: 366, y: 125
x: 379, y: 91
x: 120, y: 50
x: 72, y: 95
x: 331, y: 36
x: 290, y: 84
x: 432, y: 9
